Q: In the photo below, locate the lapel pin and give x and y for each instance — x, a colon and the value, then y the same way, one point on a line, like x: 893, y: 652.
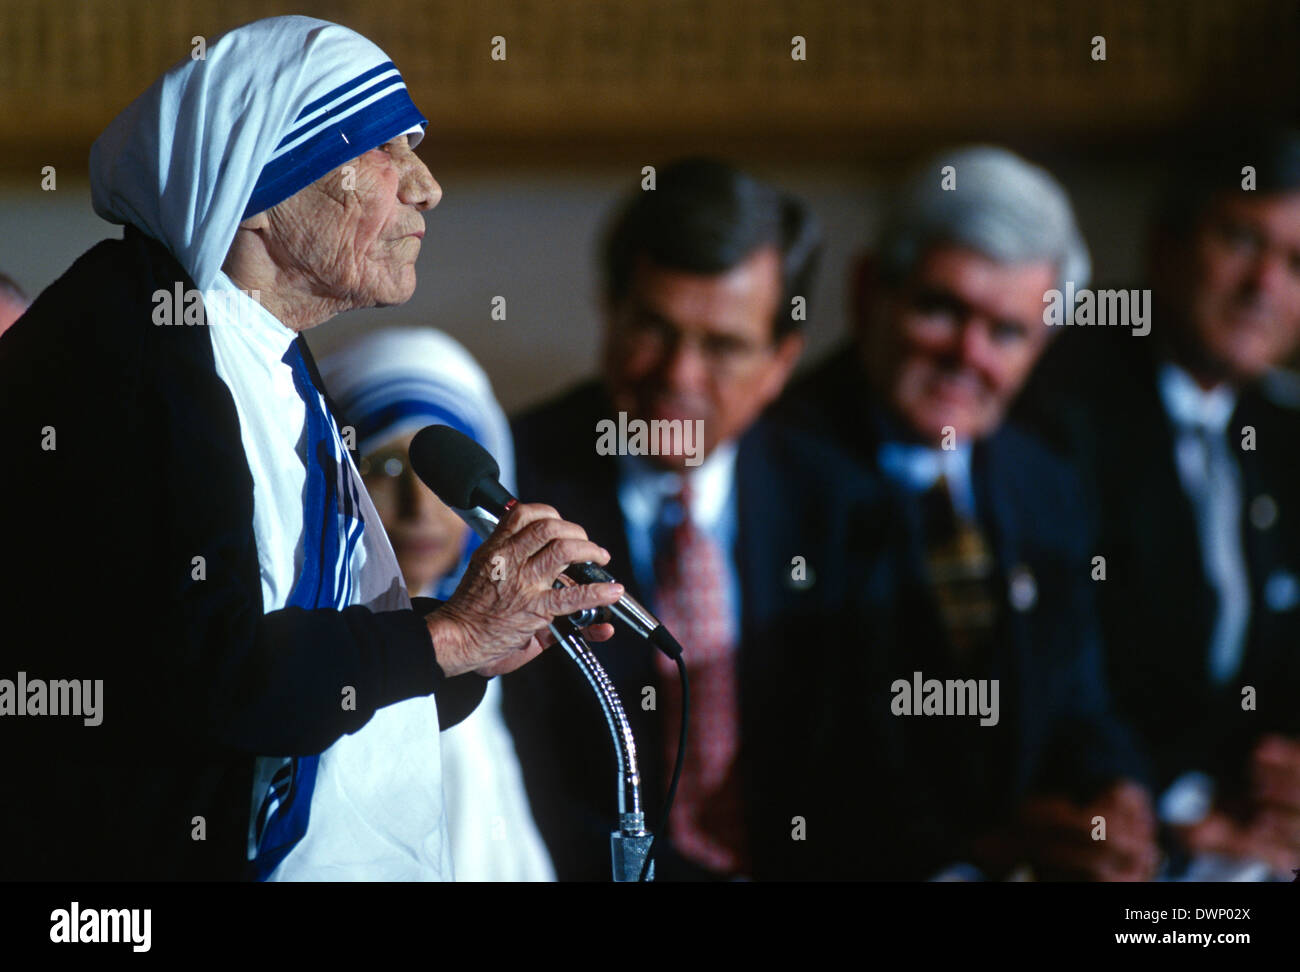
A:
x: 1282, y: 591
x: 1263, y: 511
x: 1022, y: 589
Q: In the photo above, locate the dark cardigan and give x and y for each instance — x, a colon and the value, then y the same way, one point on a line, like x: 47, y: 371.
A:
x: 146, y: 474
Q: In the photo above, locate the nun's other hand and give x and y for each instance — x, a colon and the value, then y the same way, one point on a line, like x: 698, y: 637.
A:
x: 497, y: 619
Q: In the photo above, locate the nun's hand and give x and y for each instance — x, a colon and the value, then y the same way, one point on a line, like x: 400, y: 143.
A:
x: 497, y: 619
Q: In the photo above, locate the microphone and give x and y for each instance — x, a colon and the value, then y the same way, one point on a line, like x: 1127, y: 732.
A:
x: 465, y: 476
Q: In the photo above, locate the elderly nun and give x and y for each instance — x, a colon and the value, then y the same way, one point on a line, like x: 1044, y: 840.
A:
x: 230, y: 680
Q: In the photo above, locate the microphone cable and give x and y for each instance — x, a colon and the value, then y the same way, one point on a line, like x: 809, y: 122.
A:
x: 677, y: 767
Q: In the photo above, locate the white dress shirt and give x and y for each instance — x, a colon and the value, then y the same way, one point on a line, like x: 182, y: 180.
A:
x: 1211, y: 478
x: 918, y: 467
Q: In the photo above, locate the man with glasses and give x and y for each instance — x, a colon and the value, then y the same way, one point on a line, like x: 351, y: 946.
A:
x: 991, y: 585
x: 1190, y: 437
x: 729, y: 537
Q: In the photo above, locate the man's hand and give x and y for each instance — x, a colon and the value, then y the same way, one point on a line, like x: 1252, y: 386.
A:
x: 1275, y: 774
x: 497, y: 619
x: 1267, y: 826
x: 1054, y: 836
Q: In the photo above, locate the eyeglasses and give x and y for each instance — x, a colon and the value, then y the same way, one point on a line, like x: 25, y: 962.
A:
x: 938, y: 315
x: 388, y: 476
x: 723, y: 353
x: 1250, y: 241
x: 382, y: 465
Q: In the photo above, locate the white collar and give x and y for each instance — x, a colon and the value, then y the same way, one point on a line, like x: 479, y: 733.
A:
x: 256, y: 327
x: 644, y: 486
x: 919, y: 466
x: 1189, y: 405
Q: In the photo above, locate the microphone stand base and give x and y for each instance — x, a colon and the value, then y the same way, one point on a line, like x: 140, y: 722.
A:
x: 629, y: 853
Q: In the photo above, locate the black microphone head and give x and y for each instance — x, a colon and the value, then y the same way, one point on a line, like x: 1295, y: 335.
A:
x: 453, y: 465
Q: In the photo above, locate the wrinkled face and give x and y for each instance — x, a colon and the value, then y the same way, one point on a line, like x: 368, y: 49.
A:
x: 1235, y: 285
x: 952, y: 345
x: 427, y: 535
x: 686, y: 346
x: 352, y: 236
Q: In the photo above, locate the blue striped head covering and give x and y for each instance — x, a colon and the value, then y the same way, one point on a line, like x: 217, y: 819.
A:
x: 270, y: 108
x: 394, y: 382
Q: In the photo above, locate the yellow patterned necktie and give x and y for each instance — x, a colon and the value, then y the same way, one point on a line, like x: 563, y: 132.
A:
x: 962, y: 574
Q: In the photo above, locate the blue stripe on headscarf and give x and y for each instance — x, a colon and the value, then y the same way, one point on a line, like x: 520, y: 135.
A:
x: 340, y: 91
x: 398, y: 411
x: 371, y: 423
x: 353, y: 132
x: 389, y: 81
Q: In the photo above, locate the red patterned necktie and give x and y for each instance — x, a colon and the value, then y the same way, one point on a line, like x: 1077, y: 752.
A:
x: 707, y: 820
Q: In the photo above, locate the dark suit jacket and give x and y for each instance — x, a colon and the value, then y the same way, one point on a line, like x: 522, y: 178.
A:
x: 931, y: 787
x: 148, y: 472
x: 796, y: 499
x: 1101, y: 392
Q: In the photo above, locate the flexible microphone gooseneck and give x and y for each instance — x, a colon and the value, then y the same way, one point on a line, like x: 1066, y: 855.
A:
x: 466, y: 477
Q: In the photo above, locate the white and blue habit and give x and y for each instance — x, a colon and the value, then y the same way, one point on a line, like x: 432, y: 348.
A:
x: 268, y: 686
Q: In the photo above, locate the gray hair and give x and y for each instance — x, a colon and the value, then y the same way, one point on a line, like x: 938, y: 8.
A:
x: 1000, y: 206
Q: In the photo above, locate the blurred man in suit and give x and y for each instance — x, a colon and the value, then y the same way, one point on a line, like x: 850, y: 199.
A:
x: 726, y: 533
x: 991, y: 575
x: 1190, y: 436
